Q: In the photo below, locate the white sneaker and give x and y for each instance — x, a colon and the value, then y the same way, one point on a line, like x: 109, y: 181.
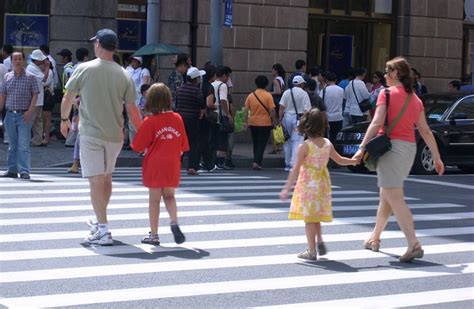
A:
x: 100, y: 239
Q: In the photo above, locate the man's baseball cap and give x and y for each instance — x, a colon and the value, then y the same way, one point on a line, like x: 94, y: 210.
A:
x: 65, y: 52
x: 139, y: 59
x: 298, y: 80
x: 107, y: 39
x: 38, y: 55
x: 194, y: 72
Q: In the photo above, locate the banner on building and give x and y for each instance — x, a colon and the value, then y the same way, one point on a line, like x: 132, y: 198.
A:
x: 131, y: 34
x: 26, y: 30
x: 228, y: 14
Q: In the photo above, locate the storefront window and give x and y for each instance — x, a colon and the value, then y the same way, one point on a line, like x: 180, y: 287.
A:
x: 319, y: 4
x: 381, y: 38
x: 27, y: 6
x: 359, y: 5
x: 339, y: 5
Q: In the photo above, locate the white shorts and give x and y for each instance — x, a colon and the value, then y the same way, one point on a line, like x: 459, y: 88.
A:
x: 98, y: 157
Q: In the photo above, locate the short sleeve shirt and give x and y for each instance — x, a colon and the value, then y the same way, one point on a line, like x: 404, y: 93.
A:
x: 302, y: 101
x: 104, y: 86
x: 405, y: 129
x: 259, y: 116
x: 18, y: 89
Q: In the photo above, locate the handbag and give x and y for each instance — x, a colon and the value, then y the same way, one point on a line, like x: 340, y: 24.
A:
x: 210, y: 115
x: 365, y: 105
x: 298, y: 115
x: 224, y: 123
x: 268, y: 111
x: 381, y: 144
x: 278, y: 135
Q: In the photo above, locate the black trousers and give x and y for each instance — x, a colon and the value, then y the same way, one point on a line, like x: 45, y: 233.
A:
x: 260, y: 136
x: 207, y: 143
x: 334, y: 128
x: 191, y: 124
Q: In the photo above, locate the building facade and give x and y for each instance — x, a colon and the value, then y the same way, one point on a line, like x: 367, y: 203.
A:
x: 437, y: 36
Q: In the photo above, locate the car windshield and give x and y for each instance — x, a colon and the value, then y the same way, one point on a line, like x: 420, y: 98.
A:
x: 435, y: 108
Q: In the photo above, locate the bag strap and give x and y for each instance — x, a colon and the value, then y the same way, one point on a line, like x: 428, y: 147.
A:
x: 354, y: 92
x: 258, y: 99
x: 219, y: 99
x: 324, y: 93
x: 293, y: 100
x: 399, y: 116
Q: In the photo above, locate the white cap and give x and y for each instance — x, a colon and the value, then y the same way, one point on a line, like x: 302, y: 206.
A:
x: 194, y: 72
x: 38, y: 55
x: 298, y: 80
x: 139, y: 59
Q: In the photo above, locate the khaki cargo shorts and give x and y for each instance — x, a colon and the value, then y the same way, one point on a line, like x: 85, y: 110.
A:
x: 98, y: 157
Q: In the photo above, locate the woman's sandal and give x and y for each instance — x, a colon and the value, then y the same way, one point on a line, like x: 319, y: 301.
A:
x: 414, y: 253
x: 151, y: 239
x: 372, y: 244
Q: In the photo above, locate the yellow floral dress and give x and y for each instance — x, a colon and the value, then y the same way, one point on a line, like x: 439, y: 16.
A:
x: 311, y: 200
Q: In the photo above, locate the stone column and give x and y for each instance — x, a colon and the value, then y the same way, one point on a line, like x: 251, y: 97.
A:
x: 430, y: 35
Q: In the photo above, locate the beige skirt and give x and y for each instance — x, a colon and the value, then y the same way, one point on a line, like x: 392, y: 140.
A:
x: 394, y: 166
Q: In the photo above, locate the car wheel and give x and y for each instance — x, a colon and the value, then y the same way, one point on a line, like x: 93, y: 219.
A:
x: 424, y: 163
x: 466, y: 168
x: 358, y: 168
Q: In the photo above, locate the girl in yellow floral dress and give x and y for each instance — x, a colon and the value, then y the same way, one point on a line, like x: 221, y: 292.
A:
x: 311, y: 200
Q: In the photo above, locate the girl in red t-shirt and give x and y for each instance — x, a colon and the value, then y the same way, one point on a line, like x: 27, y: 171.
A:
x: 163, y: 137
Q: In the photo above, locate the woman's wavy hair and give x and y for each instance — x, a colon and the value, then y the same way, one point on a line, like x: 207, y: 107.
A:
x: 313, y: 123
x: 403, y: 71
x: 280, y: 70
x: 158, y: 99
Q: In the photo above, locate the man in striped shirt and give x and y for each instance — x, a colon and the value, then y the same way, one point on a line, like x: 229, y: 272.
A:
x: 190, y: 104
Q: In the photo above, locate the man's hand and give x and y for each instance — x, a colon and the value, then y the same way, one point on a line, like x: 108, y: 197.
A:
x: 27, y: 116
x: 65, y: 126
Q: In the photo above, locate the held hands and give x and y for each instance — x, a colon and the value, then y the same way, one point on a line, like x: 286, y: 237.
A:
x: 358, y: 156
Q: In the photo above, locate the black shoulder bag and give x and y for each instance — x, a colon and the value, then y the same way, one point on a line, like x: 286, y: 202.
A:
x: 224, y: 123
x: 381, y: 144
x: 365, y: 104
x: 298, y: 115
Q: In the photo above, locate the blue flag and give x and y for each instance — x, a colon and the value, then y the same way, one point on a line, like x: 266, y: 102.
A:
x: 228, y: 14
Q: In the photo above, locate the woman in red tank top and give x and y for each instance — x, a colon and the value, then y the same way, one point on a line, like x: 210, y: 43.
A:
x: 395, y: 165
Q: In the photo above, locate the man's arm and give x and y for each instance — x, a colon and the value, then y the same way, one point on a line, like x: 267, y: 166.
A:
x: 31, y: 109
x: 2, y: 102
x: 66, y: 105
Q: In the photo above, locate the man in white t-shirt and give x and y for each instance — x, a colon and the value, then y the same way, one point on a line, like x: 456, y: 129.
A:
x: 333, y: 97
x: 294, y: 102
x: 221, y: 92
x: 355, y: 93
x: 7, y: 51
x: 40, y: 69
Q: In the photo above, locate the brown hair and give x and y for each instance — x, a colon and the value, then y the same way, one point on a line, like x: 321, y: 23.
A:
x: 313, y: 123
x: 403, y: 71
x: 158, y: 99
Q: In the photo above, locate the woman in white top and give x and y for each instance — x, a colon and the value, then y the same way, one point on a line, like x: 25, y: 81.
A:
x: 277, y: 88
x: 378, y: 83
x: 140, y: 75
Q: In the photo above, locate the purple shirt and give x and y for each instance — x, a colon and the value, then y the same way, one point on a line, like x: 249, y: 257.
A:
x: 18, y: 90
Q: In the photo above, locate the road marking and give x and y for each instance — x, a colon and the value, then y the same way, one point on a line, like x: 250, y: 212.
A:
x: 28, y: 200
x: 238, y: 286
x: 399, y: 300
x: 222, y: 212
x: 425, y: 181
x: 197, y: 245
x: 204, y: 264
x: 229, y: 203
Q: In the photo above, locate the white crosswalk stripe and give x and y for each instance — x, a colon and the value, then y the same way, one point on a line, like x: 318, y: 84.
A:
x: 239, y: 245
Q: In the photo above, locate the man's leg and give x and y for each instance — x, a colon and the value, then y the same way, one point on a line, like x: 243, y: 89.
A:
x: 12, y: 158
x: 101, y: 190
x: 24, y: 146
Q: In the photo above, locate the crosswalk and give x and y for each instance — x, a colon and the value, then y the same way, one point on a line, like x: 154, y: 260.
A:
x: 240, y: 249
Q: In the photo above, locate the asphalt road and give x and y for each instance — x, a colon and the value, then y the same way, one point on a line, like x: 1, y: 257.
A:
x: 240, y: 249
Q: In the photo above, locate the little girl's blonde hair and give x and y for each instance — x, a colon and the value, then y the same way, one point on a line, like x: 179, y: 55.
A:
x: 313, y: 123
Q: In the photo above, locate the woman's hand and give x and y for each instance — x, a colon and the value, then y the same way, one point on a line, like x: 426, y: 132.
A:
x: 439, y: 166
x: 358, y: 155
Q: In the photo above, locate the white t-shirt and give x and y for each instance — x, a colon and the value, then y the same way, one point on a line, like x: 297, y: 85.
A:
x: 56, y: 83
x: 34, y: 70
x: 3, y: 71
x: 352, y: 106
x: 137, y: 76
x: 223, y: 91
x: 302, y: 101
x: 8, y: 63
x: 333, y: 98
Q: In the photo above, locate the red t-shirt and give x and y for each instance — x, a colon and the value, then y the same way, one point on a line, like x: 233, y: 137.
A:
x: 405, y: 128
x: 164, y: 138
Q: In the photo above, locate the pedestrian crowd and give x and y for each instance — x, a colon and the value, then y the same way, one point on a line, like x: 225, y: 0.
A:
x: 106, y: 106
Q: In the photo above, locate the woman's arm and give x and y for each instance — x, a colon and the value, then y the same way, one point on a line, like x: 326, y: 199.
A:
x: 300, y: 156
x: 276, y: 87
x: 429, y: 139
x: 374, y: 127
